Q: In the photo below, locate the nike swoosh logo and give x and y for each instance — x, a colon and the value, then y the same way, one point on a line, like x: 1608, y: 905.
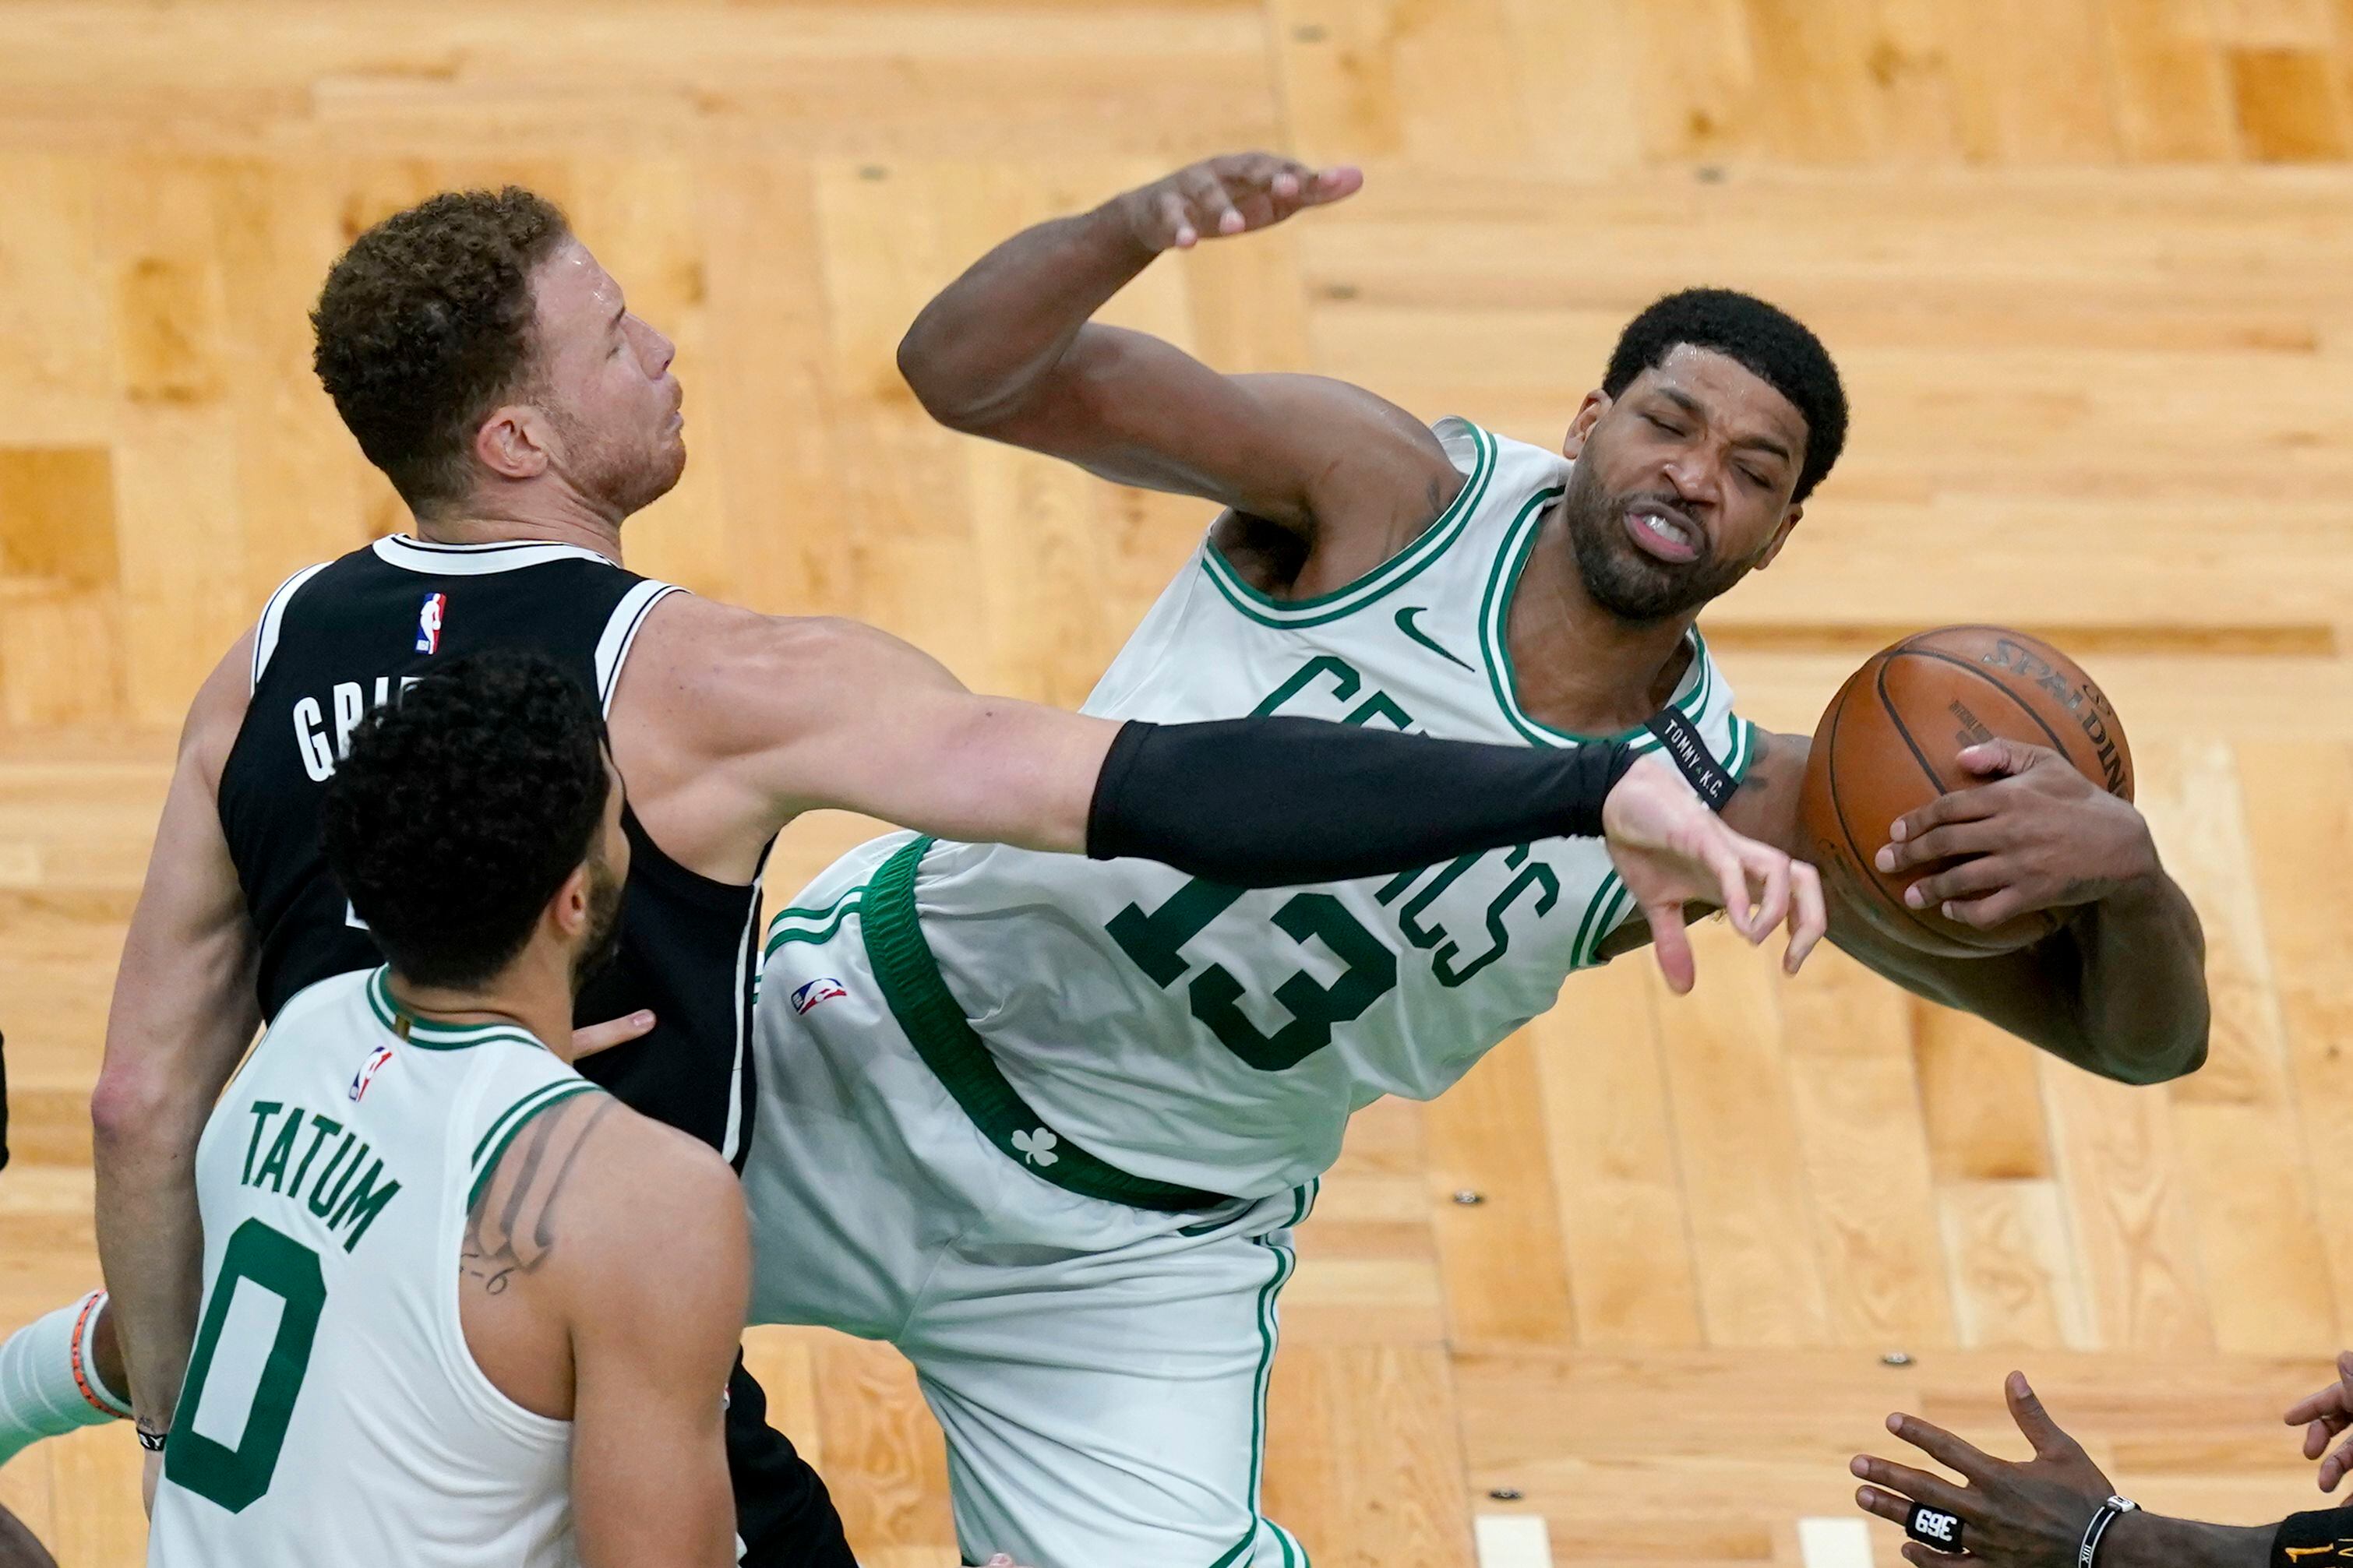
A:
x: 1405, y: 624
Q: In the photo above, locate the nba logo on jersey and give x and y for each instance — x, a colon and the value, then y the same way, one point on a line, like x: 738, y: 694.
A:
x: 817, y: 990
x: 368, y: 1069
x: 429, y: 621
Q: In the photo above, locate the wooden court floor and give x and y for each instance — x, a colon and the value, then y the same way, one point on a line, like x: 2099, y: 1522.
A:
x: 2086, y: 265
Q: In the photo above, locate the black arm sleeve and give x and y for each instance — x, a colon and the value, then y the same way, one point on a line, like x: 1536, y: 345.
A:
x: 1268, y: 803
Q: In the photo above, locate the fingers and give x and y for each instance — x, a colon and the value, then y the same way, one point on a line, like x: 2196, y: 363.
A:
x: 1944, y: 843
x: 1756, y: 881
x: 2336, y: 1467
x: 1959, y: 806
x: 1671, y: 945
x: 1212, y: 209
x: 1984, y: 914
x: 1809, y: 917
x: 1970, y: 879
x: 1886, y: 1505
x: 2033, y: 1421
x: 1176, y: 222
x: 1918, y: 1485
x: 1998, y: 758
x: 1942, y: 1446
x: 604, y: 1036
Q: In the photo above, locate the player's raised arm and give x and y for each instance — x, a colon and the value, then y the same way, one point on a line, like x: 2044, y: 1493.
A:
x: 653, y: 1266
x: 809, y: 713
x: 182, y: 1014
x: 1008, y: 351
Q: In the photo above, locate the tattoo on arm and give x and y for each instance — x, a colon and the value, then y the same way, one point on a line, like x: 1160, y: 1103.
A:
x: 511, y: 1227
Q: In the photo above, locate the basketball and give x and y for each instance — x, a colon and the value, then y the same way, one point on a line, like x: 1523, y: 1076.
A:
x: 1890, y: 743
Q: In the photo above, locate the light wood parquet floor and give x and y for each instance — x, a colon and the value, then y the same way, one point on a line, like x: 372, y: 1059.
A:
x: 2085, y: 263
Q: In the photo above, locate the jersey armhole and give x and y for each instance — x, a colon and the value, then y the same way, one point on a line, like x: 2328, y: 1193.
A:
x: 273, y: 618
x: 621, y: 630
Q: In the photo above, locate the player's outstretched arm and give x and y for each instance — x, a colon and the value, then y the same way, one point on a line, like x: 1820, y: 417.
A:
x: 761, y: 719
x: 2119, y: 989
x: 182, y: 1014
x: 1009, y: 352
x: 651, y: 1264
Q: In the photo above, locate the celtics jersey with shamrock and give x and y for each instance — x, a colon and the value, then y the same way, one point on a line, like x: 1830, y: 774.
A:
x: 1205, y: 1036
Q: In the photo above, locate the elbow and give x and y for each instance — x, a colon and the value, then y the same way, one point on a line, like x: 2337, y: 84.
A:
x: 950, y: 400
x: 2174, y: 1056
x: 130, y: 1108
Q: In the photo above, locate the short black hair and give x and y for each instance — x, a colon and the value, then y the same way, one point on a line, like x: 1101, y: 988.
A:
x: 423, y: 326
x: 462, y: 807
x: 1768, y: 340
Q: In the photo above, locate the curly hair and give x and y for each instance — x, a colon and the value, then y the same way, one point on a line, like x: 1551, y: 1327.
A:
x: 460, y: 810
x: 1770, y: 341
x: 424, y: 324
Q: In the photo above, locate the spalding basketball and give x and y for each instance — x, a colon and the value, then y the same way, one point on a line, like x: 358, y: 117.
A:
x: 1891, y: 743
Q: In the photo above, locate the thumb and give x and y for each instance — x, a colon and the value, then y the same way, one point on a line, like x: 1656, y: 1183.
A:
x: 1998, y: 758
x: 1670, y: 945
x: 2033, y: 1421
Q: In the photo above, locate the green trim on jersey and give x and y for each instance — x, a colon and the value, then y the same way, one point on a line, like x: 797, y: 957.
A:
x: 1494, y: 622
x: 415, y: 1031
x: 909, y: 978
x: 512, y: 1121
x: 811, y: 925
x: 1391, y: 575
x: 1584, y: 952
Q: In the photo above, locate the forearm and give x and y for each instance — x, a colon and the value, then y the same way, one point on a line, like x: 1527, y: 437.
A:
x: 150, y: 1250
x: 983, y: 343
x: 1277, y: 802
x: 2134, y: 967
x: 2148, y: 1540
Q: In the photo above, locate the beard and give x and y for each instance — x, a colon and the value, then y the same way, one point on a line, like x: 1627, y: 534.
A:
x: 624, y: 477
x: 601, y: 939
x: 1618, y: 575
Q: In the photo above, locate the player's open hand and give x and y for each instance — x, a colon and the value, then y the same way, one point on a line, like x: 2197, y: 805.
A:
x: 1237, y: 194
x: 2324, y: 1416
x: 2039, y: 836
x: 1670, y: 850
x: 2011, y: 1516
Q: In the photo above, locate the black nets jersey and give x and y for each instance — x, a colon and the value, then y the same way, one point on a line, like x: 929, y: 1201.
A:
x: 340, y: 638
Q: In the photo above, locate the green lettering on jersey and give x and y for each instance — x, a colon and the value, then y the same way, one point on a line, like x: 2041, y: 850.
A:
x: 321, y: 1200
x: 1345, y: 681
x: 273, y: 1164
x: 263, y: 1109
x: 360, y: 1209
x: 324, y: 1127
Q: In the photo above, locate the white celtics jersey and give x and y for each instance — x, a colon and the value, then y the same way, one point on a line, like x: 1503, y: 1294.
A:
x: 331, y: 1412
x: 1205, y: 1036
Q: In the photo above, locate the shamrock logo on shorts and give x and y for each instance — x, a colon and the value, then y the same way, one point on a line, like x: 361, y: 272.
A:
x: 1037, y: 1147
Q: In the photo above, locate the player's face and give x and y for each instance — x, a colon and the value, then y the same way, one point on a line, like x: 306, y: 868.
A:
x: 1681, y: 486
x: 608, y: 876
x: 605, y: 380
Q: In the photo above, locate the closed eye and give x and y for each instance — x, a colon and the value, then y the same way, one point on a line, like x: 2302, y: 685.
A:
x: 1660, y: 424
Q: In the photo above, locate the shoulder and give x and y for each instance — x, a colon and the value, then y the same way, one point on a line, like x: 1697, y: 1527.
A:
x: 217, y: 711
x: 649, y: 1202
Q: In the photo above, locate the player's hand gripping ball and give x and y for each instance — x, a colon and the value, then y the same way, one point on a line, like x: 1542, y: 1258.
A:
x: 1969, y: 786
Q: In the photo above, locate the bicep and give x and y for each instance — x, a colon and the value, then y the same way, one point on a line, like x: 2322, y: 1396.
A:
x: 1299, y: 451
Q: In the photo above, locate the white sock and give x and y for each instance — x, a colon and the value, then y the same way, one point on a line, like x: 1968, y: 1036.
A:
x: 49, y: 1378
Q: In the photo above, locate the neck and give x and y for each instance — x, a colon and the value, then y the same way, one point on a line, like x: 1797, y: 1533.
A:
x: 534, y: 991
x: 1580, y: 667
x: 556, y: 516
